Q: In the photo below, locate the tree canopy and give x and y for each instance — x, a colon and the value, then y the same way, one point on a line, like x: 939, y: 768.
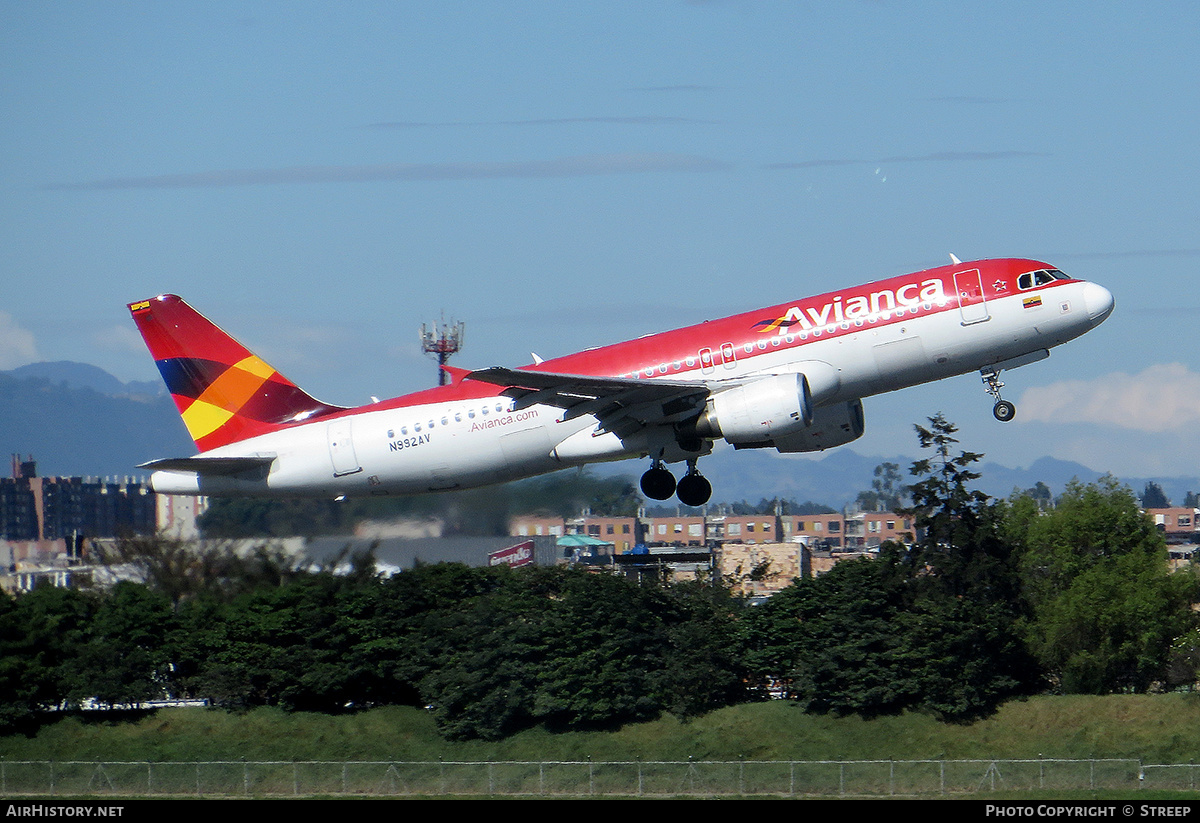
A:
x: 1104, y: 608
x: 991, y: 599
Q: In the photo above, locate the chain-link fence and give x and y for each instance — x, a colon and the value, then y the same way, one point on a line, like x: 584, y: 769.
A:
x: 814, y: 778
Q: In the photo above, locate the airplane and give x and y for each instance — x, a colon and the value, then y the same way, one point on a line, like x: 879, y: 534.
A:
x: 789, y: 377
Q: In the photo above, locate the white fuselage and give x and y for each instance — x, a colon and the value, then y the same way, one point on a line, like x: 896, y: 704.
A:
x: 480, y: 440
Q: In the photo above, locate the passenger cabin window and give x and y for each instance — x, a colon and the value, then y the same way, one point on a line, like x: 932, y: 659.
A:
x: 1041, y: 277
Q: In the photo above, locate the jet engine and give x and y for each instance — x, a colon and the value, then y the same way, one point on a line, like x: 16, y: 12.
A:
x: 756, y: 413
x: 831, y: 426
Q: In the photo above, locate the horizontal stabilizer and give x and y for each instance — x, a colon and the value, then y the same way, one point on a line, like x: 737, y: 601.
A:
x: 210, y: 465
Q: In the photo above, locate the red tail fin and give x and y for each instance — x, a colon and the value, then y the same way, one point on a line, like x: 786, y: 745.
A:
x: 224, y: 392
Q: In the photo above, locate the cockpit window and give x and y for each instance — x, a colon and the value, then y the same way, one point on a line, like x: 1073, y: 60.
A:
x: 1033, y: 279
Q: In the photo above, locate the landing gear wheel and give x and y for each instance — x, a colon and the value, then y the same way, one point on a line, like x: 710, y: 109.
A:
x: 1003, y: 410
x: 693, y: 490
x: 658, y: 483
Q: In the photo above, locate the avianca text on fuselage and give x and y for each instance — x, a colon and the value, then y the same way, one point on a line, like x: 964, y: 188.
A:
x: 790, y: 377
x: 867, y: 307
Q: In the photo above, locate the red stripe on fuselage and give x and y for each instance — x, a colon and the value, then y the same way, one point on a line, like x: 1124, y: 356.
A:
x: 652, y: 352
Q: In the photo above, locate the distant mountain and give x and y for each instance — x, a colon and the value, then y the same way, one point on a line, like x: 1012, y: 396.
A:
x: 835, y: 478
x: 86, y: 376
x: 76, y: 419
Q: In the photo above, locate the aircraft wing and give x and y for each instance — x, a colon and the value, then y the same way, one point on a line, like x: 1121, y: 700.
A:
x: 621, y: 404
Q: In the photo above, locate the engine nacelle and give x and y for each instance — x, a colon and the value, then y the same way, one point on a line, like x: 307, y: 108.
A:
x: 758, y: 413
x: 831, y: 426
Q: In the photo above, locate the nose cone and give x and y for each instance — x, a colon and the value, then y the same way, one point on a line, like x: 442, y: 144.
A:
x: 1098, y: 301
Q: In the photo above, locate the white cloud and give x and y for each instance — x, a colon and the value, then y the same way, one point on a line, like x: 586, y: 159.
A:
x: 123, y: 339
x: 1161, y: 398
x: 16, y: 344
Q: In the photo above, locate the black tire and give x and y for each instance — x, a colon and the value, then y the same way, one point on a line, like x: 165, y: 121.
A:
x: 1004, y: 411
x: 658, y: 484
x: 693, y: 490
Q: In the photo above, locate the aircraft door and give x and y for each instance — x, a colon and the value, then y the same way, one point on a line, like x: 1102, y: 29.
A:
x: 341, y: 448
x: 971, y: 303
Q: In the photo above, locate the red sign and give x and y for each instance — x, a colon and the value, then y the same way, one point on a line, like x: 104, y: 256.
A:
x: 518, y: 555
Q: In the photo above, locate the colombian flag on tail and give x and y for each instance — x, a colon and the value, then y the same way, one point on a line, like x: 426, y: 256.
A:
x: 224, y: 392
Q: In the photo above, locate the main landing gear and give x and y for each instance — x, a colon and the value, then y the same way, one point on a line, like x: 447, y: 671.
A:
x: 692, y: 490
x: 1003, y: 411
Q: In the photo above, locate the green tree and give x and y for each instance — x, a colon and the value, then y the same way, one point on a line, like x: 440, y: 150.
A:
x: 1040, y: 493
x: 42, y: 633
x: 932, y: 626
x: 123, y: 656
x: 1153, y: 497
x: 834, y: 639
x: 573, y: 650
x: 1105, y: 610
x: 887, y: 493
x: 27, y: 665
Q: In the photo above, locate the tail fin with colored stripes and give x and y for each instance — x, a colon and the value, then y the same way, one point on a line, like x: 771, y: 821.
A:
x: 224, y: 392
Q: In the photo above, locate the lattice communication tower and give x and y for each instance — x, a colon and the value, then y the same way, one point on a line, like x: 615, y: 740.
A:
x: 439, y: 341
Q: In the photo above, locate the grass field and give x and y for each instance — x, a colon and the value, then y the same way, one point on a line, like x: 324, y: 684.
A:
x: 1152, y: 728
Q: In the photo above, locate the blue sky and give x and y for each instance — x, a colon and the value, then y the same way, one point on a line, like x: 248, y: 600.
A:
x: 321, y: 178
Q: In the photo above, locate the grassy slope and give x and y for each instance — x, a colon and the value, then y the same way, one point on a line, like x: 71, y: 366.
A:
x: 1158, y: 729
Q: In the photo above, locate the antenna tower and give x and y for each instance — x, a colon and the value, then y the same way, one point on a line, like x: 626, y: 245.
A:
x: 439, y: 341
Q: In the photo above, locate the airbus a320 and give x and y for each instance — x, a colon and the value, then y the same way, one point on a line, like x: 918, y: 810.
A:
x: 789, y: 377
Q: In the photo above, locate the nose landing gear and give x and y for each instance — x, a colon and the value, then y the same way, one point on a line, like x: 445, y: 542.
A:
x: 1003, y: 411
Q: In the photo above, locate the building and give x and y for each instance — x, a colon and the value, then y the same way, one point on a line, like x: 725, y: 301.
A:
x: 1178, y: 524
x: 762, y: 569
x: 47, y: 523
x: 621, y: 532
x: 850, y: 531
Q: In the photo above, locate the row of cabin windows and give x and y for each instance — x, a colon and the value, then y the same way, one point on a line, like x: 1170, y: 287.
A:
x: 458, y: 418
